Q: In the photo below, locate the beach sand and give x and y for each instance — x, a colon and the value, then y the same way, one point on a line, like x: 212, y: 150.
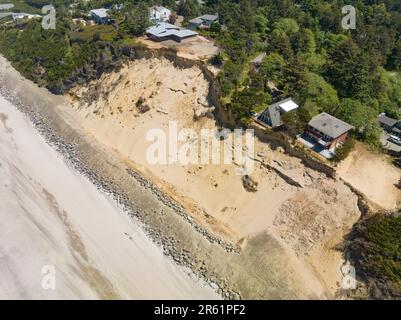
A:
x: 52, y: 216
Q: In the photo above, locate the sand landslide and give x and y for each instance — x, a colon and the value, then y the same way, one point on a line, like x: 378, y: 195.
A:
x: 305, y: 211
x: 374, y: 176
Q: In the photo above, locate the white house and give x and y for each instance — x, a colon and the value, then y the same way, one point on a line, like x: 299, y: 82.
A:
x: 159, y: 14
x: 100, y: 16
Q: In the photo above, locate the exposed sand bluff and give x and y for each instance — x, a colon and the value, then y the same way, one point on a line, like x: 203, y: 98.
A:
x: 309, y: 218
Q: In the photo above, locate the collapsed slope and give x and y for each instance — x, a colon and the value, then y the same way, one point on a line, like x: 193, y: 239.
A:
x: 308, y: 217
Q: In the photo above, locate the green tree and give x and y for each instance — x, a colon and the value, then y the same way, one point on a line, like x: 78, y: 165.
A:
x: 272, y: 68
x: 350, y: 71
x: 287, y: 25
x: 318, y: 95
x: 363, y: 118
x: 188, y: 8
x: 136, y: 19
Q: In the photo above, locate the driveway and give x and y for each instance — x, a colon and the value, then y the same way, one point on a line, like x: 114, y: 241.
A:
x: 387, y: 144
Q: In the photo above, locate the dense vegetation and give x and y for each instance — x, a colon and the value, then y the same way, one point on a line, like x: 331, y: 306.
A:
x: 352, y: 74
x: 72, y: 52
x: 376, y: 254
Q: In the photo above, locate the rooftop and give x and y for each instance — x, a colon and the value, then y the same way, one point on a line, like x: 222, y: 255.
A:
x: 209, y: 17
x: 101, y: 13
x: 383, y: 119
x: 205, y: 17
x: 164, y: 29
x: 329, y: 125
x: 286, y: 105
x: 196, y: 20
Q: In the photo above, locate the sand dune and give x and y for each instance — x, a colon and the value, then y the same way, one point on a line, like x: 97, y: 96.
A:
x: 52, y: 216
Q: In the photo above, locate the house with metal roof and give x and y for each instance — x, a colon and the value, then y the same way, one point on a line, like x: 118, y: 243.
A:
x: 203, y: 22
x: 271, y: 116
x: 100, y: 16
x: 166, y: 31
x: 327, y: 131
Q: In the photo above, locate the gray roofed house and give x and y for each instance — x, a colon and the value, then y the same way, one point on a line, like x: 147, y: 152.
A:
x: 204, y: 21
x: 209, y: 17
x: 100, y: 15
x: 196, y: 21
x: 166, y: 31
x: 271, y: 116
x: 387, y: 121
x: 392, y: 126
x: 325, y: 133
x: 329, y: 125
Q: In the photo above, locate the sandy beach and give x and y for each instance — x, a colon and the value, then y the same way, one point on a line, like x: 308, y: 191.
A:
x: 50, y: 215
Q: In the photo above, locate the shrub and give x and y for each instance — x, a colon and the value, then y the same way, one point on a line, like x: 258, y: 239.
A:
x: 345, y: 149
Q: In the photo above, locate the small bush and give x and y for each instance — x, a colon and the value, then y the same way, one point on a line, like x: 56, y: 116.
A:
x: 345, y: 149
